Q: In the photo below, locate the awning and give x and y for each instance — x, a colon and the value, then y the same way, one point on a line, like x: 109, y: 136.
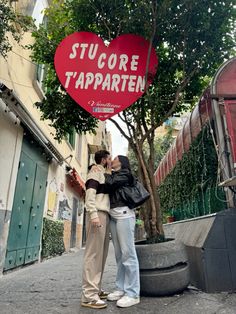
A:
x: 16, y: 106
x: 76, y: 181
x: 94, y: 148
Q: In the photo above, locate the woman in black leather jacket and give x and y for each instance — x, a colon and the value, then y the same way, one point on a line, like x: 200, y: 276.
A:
x: 122, y: 225
x: 114, y: 183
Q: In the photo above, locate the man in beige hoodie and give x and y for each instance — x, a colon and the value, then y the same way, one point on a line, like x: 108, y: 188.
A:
x: 97, y: 204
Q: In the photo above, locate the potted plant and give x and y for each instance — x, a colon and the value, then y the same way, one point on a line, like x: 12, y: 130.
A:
x: 187, y: 58
x: 170, y: 217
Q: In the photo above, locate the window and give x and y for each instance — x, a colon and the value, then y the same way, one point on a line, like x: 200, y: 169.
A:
x: 26, y: 7
x: 79, y: 148
x: 71, y: 138
x: 41, y: 71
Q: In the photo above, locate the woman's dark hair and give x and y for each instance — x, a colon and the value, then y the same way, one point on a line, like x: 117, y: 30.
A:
x: 101, y: 154
x: 90, y: 166
x: 124, y: 162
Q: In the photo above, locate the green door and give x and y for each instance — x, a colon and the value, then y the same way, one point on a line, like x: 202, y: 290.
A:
x: 27, y: 212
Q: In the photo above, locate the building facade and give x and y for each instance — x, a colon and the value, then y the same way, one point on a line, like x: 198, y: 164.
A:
x: 39, y: 177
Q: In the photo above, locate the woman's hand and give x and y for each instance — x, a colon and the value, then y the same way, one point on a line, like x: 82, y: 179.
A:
x: 95, y: 168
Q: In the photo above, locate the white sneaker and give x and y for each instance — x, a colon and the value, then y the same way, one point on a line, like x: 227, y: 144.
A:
x: 127, y: 301
x: 116, y: 295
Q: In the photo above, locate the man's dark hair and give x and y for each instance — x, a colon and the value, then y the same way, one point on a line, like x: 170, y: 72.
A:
x: 101, y: 154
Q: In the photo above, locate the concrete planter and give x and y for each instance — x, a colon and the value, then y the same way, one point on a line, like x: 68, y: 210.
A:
x: 139, y: 234
x: 164, y: 268
x: 210, y: 243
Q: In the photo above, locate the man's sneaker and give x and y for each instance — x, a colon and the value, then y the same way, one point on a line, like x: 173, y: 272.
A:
x: 127, y: 301
x: 103, y: 294
x: 96, y: 304
x: 116, y: 295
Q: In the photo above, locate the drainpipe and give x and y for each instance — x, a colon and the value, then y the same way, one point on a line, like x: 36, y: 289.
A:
x: 221, y: 134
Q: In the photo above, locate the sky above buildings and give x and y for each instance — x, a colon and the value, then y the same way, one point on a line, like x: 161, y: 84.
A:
x: 119, y: 143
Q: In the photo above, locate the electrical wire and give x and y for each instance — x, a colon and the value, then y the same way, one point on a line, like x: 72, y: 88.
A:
x: 24, y: 58
x: 11, y: 81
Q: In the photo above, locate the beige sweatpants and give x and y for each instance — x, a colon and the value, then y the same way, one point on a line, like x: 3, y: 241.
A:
x: 96, y: 250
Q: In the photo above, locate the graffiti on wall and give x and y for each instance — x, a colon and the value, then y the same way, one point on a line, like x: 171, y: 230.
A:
x: 59, y: 204
x: 53, y: 194
x: 64, y: 210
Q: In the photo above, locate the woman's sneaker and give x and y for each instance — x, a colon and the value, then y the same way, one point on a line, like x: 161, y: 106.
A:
x: 116, y: 295
x: 96, y: 304
x: 127, y: 301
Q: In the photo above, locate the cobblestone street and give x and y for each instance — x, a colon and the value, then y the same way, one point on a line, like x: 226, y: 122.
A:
x: 54, y: 286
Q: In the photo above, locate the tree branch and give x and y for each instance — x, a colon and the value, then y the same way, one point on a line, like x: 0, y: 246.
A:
x: 130, y: 127
x: 120, y: 116
x: 150, y: 45
x: 105, y: 24
x: 129, y: 139
x: 175, y: 103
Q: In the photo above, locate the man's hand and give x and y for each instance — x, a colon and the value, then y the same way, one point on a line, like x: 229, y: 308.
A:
x: 96, y: 222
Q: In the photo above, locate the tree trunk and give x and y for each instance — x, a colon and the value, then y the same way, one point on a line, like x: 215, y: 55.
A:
x: 152, y: 214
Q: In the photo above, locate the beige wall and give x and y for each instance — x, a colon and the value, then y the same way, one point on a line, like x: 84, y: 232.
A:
x: 176, y: 124
x: 11, y: 134
x: 10, y: 147
x: 18, y: 73
x: 163, y: 130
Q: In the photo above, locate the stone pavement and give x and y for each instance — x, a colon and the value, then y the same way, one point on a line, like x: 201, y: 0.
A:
x: 54, y: 286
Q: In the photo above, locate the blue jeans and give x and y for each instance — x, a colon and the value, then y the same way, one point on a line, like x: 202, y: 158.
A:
x: 127, y: 279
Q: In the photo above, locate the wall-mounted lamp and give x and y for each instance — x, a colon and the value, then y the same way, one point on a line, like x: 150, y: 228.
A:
x: 70, y: 156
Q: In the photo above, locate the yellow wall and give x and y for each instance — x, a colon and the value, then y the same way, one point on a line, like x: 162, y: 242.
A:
x: 10, y: 146
x: 18, y: 73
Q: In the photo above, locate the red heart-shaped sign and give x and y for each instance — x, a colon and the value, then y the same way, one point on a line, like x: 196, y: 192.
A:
x: 104, y: 80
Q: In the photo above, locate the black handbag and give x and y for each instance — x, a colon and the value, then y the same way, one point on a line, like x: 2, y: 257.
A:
x: 134, y: 195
